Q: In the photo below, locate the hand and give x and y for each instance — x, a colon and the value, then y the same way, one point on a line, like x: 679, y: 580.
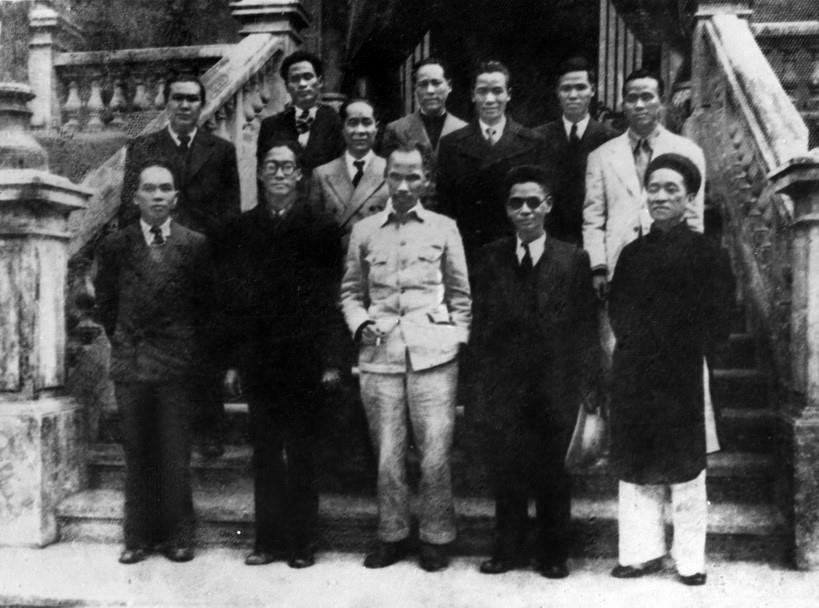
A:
x: 371, y: 335
x: 331, y: 377
x: 601, y: 286
x: 233, y: 383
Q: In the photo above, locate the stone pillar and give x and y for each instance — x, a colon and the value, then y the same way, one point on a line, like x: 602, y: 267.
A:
x: 50, y: 33
x: 41, y: 444
x: 799, y: 179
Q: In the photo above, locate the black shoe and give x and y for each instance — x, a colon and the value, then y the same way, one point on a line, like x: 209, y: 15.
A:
x: 498, y: 565
x: 133, y: 556
x: 554, y: 570
x: 693, y: 580
x: 179, y: 553
x: 211, y: 448
x: 433, y: 557
x: 260, y: 558
x: 301, y: 558
x: 649, y: 567
x: 386, y: 554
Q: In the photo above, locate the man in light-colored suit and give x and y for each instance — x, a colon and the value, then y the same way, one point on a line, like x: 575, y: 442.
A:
x: 615, y: 211
x: 431, y: 121
x: 406, y: 300
x: 352, y: 186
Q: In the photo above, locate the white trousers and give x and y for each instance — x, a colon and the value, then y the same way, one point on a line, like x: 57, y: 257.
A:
x: 642, y: 524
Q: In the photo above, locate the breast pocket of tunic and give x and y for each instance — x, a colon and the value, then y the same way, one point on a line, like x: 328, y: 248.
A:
x: 428, y: 264
x: 378, y: 264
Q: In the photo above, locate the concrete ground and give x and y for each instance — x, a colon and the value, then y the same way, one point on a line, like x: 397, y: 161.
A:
x: 84, y: 574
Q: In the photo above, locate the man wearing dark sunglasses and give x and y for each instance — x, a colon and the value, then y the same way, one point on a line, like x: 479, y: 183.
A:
x: 208, y: 197
x: 537, y: 353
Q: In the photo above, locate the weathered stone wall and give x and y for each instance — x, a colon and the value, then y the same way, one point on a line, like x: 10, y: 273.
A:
x: 786, y: 10
x: 14, y: 41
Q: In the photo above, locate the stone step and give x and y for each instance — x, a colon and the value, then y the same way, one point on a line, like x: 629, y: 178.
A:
x: 747, y: 430
x: 732, y: 476
x: 348, y: 523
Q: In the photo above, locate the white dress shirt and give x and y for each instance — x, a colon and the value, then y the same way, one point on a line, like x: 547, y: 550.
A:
x: 305, y: 137
x: 165, y: 227
x: 175, y: 136
x: 581, y: 126
x: 535, y: 249
x: 499, y: 127
x: 350, y: 159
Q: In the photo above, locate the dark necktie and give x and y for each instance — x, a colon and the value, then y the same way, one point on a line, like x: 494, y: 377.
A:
x: 642, y: 156
x: 526, y: 261
x: 158, y: 238
x: 490, y: 135
x: 359, y: 172
x: 303, y: 122
x: 574, y: 140
x: 184, y: 140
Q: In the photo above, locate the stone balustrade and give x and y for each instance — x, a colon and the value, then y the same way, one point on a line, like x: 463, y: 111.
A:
x: 792, y: 49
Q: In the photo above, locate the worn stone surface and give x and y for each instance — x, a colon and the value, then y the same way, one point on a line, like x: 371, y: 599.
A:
x: 42, y: 460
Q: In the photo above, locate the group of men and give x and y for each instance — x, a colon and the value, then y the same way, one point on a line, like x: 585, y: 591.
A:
x: 486, y: 227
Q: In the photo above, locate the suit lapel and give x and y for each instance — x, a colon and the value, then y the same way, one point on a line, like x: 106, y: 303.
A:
x: 199, y: 153
x: 416, y: 130
x: 621, y: 158
x: 371, y: 181
x: 450, y: 125
x: 338, y: 182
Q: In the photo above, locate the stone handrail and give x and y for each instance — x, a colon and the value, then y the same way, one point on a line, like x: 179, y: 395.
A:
x: 242, y: 86
x: 748, y: 126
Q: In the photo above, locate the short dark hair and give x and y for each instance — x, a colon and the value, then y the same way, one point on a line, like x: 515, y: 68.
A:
x: 342, y: 111
x: 183, y: 78
x: 576, y: 64
x: 486, y: 67
x: 158, y: 162
x: 644, y: 73
x: 412, y: 146
x: 293, y: 146
x: 298, y: 57
x: 428, y: 61
x: 681, y: 164
x: 522, y: 174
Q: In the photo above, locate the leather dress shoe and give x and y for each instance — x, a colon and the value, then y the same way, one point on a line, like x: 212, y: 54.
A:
x: 554, y: 570
x: 260, y: 558
x: 302, y: 558
x: 133, y: 556
x: 433, y: 558
x: 179, y: 553
x: 498, y: 565
x: 386, y: 554
x: 649, y: 567
x: 693, y: 580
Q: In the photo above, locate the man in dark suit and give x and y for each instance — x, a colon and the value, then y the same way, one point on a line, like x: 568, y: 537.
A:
x: 150, y: 287
x: 430, y: 122
x: 537, y: 352
x: 208, y: 197
x: 473, y: 160
x: 280, y: 291
x: 316, y: 127
x: 568, y: 143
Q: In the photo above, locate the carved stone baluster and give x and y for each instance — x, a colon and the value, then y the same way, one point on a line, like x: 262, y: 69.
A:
x: 95, y: 105
x: 159, y: 89
x: 118, y: 104
x: 789, y: 76
x: 142, y: 100
x: 249, y: 110
x: 813, y: 79
x: 72, y: 107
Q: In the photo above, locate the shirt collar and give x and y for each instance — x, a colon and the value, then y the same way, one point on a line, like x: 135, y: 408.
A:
x: 581, y: 126
x: 635, y: 139
x: 350, y: 159
x: 311, y: 111
x: 418, y: 212
x: 535, y: 248
x: 499, y: 128
x: 175, y: 135
x: 165, y: 227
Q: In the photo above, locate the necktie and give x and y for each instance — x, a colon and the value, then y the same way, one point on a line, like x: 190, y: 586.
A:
x: 303, y: 122
x: 526, y: 261
x: 359, y: 172
x: 642, y: 156
x: 158, y: 238
x: 490, y: 135
x: 573, y: 138
x: 184, y: 140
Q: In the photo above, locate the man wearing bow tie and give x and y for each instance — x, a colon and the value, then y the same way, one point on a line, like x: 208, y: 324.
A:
x: 316, y: 127
x: 208, y: 198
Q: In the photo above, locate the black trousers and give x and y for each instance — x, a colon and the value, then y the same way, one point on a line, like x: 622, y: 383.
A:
x: 157, y: 446
x: 283, y: 432
x: 530, y: 463
x: 208, y: 410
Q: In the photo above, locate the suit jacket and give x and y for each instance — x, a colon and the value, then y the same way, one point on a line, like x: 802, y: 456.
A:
x: 278, y: 291
x: 471, y: 174
x: 567, y: 166
x: 209, y: 181
x: 153, y: 310
x: 325, y: 142
x: 410, y: 128
x: 332, y: 192
x: 535, y: 343
x: 614, y: 213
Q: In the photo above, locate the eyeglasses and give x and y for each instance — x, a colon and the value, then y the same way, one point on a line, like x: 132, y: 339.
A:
x: 533, y: 202
x: 287, y: 167
x: 180, y: 97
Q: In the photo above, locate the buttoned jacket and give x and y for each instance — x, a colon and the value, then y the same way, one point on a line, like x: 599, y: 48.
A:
x: 410, y: 129
x: 614, y: 211
x: 409, y: 277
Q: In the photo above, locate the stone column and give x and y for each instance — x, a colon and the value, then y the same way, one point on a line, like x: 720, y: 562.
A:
x: 50, y: 33
x: 799, y: 179
x: 41, y: 447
